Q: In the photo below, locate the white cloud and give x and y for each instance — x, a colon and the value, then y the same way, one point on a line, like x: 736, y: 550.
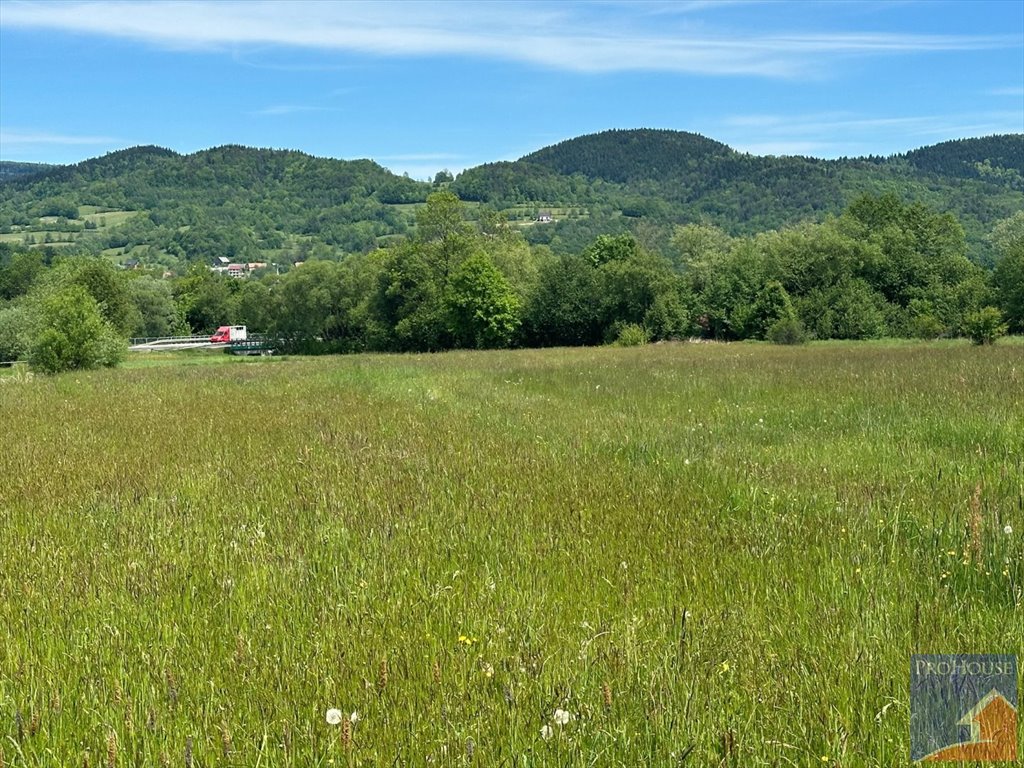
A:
x: 421, y: 157
x: 36, y: 138
x: 829, y: 134
x: 579, y: 37
x: 1011, y: 91
x: 289, y: 109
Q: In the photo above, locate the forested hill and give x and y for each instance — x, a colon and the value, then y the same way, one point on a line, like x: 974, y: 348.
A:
x: 12, y: 170
x: 671, y: 175
x: 634, y: 156
x: 265, y: 205
x: 231, y: 201
x: 992, y: 156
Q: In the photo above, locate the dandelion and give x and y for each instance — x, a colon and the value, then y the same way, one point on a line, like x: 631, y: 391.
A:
x: 561, y: 717
x: 724, y: 668
x: 546, y: 732
x: 354, y: 718
x: 1008, y: 530
x: 334, y: 716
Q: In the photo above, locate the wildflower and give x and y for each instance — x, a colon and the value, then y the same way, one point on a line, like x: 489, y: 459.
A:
x: 334, y: 716
x: 561, y: 717
x: 856, y: 572
x: 354, y: 718
x: 824, y: 758
x: 487, y: 669
x: 723, y: 667
x: 1008, y: 530
x: 545, y: 732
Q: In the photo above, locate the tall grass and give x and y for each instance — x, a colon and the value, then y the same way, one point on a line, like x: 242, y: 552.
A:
x: 674, y: 554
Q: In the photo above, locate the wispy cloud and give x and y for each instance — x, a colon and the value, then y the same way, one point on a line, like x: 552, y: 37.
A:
x: 290, y: 109
x: 827, y: 134
x: 22, y: 138
x: 1010, y: 91
x: 421, y: 157
x: 580, y: 37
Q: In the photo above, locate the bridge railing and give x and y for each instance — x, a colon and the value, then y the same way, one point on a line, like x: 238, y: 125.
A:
x: 138, y: 341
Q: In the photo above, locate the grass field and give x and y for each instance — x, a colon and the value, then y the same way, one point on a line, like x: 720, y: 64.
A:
x: 698, y: 554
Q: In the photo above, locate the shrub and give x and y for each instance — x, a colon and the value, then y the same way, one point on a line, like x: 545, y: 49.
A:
x: 15, y: 333
x: 632, y: 335
x: 985, y: 326
x: 74, y: 334
x: 788, y: 330
x: 926, y: 327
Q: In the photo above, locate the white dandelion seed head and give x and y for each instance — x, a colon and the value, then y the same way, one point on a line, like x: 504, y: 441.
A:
x: 333, y: 716
x: 354, y: 718
x: 561, y: 717
x: 545, y: 732
x: 1008, y: 530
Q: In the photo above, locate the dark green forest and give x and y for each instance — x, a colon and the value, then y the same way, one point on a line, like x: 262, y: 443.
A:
x: 626, y: 236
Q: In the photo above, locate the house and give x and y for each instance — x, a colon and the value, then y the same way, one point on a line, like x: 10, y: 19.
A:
x: 236, y: 270
x: 131, y: 264
x: 544, y: 217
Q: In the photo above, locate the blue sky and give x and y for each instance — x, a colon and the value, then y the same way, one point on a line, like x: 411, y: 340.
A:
x: 420, y: 86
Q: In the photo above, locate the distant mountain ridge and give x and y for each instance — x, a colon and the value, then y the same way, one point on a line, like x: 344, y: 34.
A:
x: 675, y: 176
x: 12, y: 170
x: 237, y: 200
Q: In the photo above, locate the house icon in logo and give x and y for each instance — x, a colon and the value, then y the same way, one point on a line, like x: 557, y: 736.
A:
x: 993, y: 728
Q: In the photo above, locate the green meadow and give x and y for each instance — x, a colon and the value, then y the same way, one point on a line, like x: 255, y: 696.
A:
x: 676, y: 554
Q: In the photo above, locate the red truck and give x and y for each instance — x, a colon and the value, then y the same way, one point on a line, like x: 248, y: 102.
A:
x: 229, y: 333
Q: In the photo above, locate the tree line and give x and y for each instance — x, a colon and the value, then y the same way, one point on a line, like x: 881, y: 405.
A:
x: 883, y: 267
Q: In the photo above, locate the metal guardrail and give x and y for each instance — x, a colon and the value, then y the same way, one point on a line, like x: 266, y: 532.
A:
x: 139, y: 340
